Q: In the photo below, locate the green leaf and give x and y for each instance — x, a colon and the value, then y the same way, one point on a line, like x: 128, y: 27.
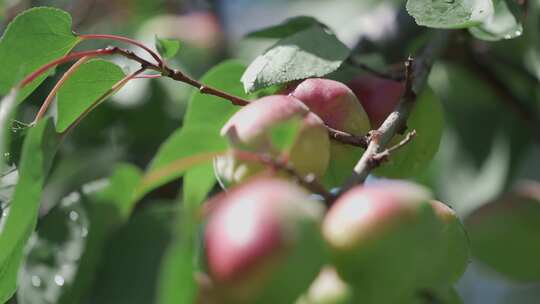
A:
x: 7, y: 108
x: 177, y: 273
x: 211, y: 113
x: 108, y: 210
x: 133, y: 257
x: 184, y: 149
x: 284, y: 134
x: 504, y: 233
x: 81, y: 90
x: 167, y: 47
x: 38, y: 151
x: 312, y: 52
x: 286, y: 28
x: 503, y: 24
x: 34, y: 38
x: 450, y: 13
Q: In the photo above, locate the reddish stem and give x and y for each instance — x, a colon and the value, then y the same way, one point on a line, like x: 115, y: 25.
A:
x: 67, y: 58
x: 57, y: 87
x: 126, y: 40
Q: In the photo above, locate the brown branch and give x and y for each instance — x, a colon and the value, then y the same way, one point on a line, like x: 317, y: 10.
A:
x: 416, y: 72
x: 347, y: 138
x: 383, y: 156
x: 203, y: 89
x: 309, y: 181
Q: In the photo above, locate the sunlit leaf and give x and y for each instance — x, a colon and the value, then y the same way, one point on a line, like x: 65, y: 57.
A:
x: 34, y: 38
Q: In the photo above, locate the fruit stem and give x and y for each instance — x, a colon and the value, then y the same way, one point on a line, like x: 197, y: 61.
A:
x: 125, y: 40
x: 308, y: 181
x: 57, y: 87
x: 67, y: 58
x: 115, y: 88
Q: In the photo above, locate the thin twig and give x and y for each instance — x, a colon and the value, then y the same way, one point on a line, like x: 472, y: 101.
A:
x: 126, y: 40
x: 416, y: 72
x: 309, y: 181
x: 384, y: 155
x: 347, y: 138
x: 203, y: 89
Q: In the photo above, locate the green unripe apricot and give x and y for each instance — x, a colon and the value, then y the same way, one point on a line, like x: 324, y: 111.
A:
x: 380, y: 236
x: 249, y: 129
x: 505, y: 233
x: 328, y: 288
x: 453, y: 248
x: 263, y: 242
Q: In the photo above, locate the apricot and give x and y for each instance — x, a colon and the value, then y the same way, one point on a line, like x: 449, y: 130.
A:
x: 263, y: 242
x: 339, y: 108
x: 380, y: 236
x: 248, y: 129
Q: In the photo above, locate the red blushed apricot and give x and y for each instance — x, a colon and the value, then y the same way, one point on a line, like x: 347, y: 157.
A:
x: 339, y: 108
x: 378, y: 96
x: 249, y: 128
x: 261, y: 237
x: 334, y: 103
x: 378, y: 235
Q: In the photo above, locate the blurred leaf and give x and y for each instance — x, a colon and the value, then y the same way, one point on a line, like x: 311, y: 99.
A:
x: 457, y: 172
x: 129, y: 271
x: 287, y: 27
x: 427, y: 118
x: 167, y: 48
x: 198, y: 181
x: 504, y: 234
x: 81, y: 90
x: 8, y: 181
x: 184, y: 149
x: 312, y: 52
x: 450, y: 13
x: 38, y: 151
x: 54, y: 253
x: 34, y: 38
x: 108, y: 209
x: 211, y: 113
x: 7, y: 108
x: 284, y: 134
x: 177, y: 272
x: 503, y: 24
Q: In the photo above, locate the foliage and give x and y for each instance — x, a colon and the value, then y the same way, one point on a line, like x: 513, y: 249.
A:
x: 107, y: 201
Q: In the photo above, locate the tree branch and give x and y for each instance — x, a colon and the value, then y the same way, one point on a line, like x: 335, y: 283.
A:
x: 416, y: 75
x: 203, y: 89
x: 347, y: 138
x: 309, y: 181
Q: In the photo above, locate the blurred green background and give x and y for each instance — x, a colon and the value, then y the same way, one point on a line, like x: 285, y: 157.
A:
x: 490, y: 145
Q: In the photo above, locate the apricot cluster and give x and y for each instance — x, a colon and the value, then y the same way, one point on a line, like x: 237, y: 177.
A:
x: 268, y: 240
